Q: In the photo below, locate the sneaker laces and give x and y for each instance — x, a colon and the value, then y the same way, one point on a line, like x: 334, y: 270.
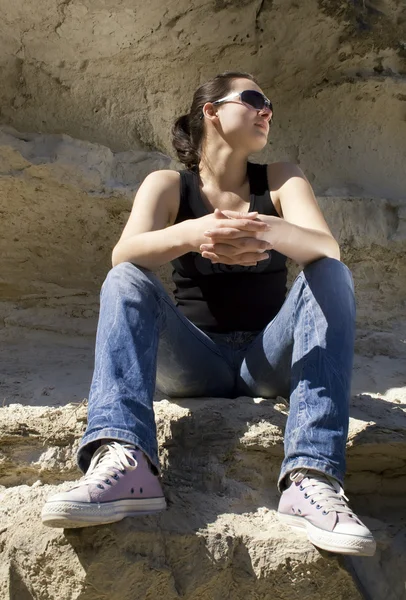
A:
x: 324, y: 490
x: 106, y: 461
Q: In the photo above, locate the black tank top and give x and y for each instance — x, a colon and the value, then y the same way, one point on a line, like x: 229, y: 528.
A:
x: 223, y: 298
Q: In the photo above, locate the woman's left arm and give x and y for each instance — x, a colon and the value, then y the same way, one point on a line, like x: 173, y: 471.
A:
x: 302, y: 234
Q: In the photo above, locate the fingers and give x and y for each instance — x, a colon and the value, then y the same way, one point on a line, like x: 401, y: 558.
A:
x: 242, y: 224
x: 228, y: 233
x: 237, y: 246
x: 246, y: 259
x: 233, y: 214
x: 219, y: 214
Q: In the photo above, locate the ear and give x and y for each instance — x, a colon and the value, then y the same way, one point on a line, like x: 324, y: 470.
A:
x: 210, y: 111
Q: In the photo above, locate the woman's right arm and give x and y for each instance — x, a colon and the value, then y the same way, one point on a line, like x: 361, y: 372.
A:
x: 147, y: 240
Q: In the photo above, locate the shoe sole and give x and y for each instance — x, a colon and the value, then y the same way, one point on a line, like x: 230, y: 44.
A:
x: 70, y: 515
x: 334, y: 542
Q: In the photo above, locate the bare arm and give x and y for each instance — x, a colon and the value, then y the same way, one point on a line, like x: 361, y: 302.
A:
x: 147, y: 240
x: 303, y: 234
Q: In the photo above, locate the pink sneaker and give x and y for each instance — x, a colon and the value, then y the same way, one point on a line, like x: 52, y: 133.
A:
x: 316, y: 503
x: 118, y: 483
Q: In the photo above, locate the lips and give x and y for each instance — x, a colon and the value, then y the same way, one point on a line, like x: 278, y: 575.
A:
x: 262, y: 125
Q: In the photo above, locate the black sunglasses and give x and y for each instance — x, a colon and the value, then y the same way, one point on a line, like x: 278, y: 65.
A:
x: 250, y: 97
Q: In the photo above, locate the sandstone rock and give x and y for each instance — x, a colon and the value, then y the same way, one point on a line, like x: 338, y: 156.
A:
x: 119, y: 73
x: 220, y: 460
x: 64, y: 200
x: 182, y: 553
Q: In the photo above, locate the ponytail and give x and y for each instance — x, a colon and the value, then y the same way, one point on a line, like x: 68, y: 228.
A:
x: 182, y: 142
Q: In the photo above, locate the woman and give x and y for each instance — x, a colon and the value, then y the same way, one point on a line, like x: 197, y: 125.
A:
x: 227, y: 225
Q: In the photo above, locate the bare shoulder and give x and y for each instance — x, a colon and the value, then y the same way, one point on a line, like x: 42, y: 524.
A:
x: 165, y: 183
x: 163, y: 179
x: 156, y: 201
x: 280, y: 172
x: 164, y: 175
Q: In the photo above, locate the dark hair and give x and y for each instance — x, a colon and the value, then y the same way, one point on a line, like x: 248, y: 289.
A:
x: 188, y: 130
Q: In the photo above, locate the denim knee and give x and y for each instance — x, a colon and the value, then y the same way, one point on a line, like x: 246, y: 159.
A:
x: 128, y: 274
x: 123, y: 271
x: 332, y: 279
x: 331, y: 265
x: 327, y: 262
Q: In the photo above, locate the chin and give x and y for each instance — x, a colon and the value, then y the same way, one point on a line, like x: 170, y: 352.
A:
x: 259, y: 145
x: 252, y: 143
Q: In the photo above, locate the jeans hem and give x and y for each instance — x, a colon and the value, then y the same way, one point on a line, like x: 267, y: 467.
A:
x: 309, y: 463
x: 120, y: 435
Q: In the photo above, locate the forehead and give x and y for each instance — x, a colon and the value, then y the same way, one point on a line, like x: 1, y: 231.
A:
x: 239, y: 85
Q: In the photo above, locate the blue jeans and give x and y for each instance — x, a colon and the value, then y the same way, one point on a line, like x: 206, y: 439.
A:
x: 305, y: 354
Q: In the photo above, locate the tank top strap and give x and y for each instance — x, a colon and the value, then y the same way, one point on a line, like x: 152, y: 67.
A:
x: 187, y: 191
x: 259, y: 186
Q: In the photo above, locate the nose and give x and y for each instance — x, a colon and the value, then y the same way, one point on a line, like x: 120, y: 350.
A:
x: 267, y: 117
x: 267, y: 111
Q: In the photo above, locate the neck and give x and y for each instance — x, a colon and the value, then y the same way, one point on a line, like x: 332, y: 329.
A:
x: 223, y: 169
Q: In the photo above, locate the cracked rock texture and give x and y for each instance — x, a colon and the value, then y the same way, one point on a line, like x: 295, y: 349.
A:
x: 118, y: 73
x: 89, y: 93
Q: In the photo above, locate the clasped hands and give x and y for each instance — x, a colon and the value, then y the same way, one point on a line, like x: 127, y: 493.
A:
x: 240, y: 242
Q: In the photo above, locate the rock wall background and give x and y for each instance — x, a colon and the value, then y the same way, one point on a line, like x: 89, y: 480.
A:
x: 117, y: 73
x: 88, y: 96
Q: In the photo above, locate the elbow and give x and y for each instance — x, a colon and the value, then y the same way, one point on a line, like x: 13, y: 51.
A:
x: 117, y: 258
x: 336, y: 252
x: 332, y: 250
x: 114, y: 258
